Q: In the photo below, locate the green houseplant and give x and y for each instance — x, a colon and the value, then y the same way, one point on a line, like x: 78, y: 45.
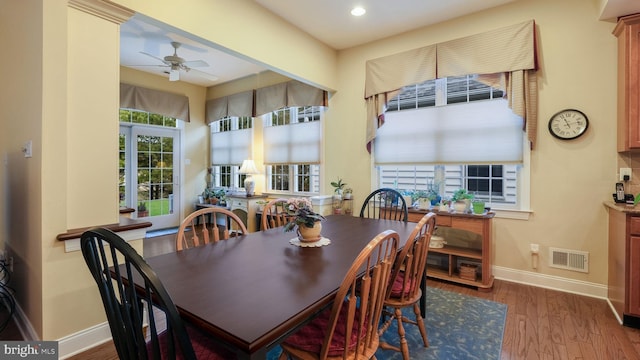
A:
x: 338, y: 186
x: 462, y: 200
x: 304, y: 219
x: 142, y: 209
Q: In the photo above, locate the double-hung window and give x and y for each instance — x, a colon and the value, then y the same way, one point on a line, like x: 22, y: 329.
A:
x: 292, y: 139
x: 231, y: 139
x: 452, y: 133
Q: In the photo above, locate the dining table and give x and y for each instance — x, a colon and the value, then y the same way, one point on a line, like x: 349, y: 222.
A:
x: 251, y: 291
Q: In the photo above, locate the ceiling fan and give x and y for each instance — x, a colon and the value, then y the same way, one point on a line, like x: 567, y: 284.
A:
x: 175, y: 63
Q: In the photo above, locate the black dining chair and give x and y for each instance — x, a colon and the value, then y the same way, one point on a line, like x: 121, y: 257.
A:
x: 144, y: 321
x: 385, y: 203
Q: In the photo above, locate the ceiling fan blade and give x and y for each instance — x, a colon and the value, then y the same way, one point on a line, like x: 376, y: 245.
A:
x: 155, y: 57
x: 195, y: 63
x: 174, y: 75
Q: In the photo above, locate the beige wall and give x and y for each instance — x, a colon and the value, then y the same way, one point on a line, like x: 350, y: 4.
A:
x: 569, y: 180
x: 22, y: 107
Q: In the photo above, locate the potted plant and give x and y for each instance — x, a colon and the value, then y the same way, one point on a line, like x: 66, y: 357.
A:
x: 461, y: 200
x: 304, y: 219
x: 478, y: 206
x: 432, y: 192
x: 142, y: 209
x: 422, y: 197
x: 444, y: 205
x: 221, y: 196
x: 347, y: 193
x: 338, y: 187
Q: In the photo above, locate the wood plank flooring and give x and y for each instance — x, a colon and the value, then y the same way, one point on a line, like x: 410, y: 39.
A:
x: 541, y: 323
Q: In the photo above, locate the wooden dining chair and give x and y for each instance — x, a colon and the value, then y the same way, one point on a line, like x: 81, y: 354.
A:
x: 144, y: 321
x: 406, y: 281
x: 206, y: 225
x: 385, y: 203
x: 349, y: 328
x: 274, y: 214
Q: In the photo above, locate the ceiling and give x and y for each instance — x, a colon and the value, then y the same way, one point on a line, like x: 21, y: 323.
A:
x: 145, y: 42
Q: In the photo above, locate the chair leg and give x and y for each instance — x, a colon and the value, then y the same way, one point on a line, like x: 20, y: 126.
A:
x: 404, y: 347
x: 283, y: 356
x: 420, y: 323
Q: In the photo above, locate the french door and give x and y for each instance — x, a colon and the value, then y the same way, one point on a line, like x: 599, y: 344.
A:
x: 149, y: 169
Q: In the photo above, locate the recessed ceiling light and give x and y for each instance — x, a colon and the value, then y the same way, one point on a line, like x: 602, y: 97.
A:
x: 358, y: 11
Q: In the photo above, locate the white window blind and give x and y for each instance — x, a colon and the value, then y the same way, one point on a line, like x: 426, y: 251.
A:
x: 480, y: 132
x: 230, y: 147
x: 297, y: 143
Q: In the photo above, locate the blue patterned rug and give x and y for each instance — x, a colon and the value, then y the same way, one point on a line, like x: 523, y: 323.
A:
x: 458, y: 327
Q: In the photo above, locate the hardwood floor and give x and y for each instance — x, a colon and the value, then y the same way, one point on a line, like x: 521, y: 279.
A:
x: 541, y: 323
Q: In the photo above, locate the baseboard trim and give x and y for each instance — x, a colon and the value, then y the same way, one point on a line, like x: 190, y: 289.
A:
x: 551, y: 282
x: 69, y: 345
x: 24, y: 325
x: 83, y: 340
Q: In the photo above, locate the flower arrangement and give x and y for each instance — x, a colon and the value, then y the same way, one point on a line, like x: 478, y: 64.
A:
x: 302, y: 213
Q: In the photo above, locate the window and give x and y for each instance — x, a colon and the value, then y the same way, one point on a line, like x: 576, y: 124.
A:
x: 429, y: 141
x: 146, y: 118
x: 231, y: 139
x: 292, y: 149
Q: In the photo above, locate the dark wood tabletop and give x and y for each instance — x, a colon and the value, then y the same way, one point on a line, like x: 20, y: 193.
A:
x: 253, y: 290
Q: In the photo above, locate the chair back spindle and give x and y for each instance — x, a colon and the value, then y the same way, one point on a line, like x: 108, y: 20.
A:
x: 210, y: 224
x: 385, y: 203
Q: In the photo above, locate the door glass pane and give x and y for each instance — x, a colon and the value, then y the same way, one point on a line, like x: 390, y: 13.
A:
x: 122, y: 178
x: 155, y: 174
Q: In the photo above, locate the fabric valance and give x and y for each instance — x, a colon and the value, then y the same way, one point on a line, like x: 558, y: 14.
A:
x: 240, y: 104
x: 289, y: 94
x: 154, y: 101
x: 507, y: 49
x: 264, y: 100
x: 395, y: 71
x: 508, y: 53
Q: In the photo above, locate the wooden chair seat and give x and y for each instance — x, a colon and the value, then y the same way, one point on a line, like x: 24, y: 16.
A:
x: 406, y: 280
x: 349, y: 329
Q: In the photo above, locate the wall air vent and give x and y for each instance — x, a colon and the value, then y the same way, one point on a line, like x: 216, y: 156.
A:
x: 569, y: 259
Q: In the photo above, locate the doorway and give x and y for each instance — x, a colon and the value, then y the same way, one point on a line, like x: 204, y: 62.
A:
x: 149, y: 169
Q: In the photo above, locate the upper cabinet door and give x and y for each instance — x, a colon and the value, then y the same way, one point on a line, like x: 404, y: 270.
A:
x: 628, y: 33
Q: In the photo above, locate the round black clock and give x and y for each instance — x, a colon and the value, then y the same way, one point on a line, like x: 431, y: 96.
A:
x: 568, y: 124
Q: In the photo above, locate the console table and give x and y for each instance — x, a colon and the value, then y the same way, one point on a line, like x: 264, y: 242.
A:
x: 468, y: 240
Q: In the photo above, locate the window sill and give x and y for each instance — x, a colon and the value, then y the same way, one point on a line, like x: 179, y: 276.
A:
x: 512, y: 214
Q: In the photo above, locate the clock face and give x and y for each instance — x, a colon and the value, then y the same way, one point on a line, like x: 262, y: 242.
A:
x: 568, y: 124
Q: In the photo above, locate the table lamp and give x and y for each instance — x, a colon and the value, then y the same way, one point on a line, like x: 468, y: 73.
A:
x: 249, y: 168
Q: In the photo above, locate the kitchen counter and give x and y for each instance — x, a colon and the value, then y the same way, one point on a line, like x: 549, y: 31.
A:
x: 629, y: 209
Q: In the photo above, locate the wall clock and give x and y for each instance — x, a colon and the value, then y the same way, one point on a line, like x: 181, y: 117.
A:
x: 568, y: 124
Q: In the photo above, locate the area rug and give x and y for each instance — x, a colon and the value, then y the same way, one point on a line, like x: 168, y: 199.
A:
x: 458, y: 327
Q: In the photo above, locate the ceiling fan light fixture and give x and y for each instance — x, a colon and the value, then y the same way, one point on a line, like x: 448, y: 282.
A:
x: 358, y: 11
x: 174, y: 74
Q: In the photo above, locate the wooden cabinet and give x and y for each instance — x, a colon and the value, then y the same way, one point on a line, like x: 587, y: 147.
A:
x: 624, y: 266
x: 628, y: 33
x: 444, y: 263
x: 246, y: 208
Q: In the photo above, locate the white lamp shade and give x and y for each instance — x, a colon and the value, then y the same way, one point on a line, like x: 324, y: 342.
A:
x: 248, y: 167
